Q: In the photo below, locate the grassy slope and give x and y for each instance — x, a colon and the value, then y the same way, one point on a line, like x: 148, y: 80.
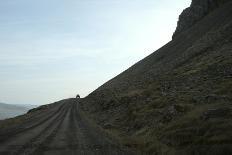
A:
x: 178, y: 99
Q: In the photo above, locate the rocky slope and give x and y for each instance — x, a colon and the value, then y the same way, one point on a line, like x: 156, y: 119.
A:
x: 178, y: 99
x: 198, y: 10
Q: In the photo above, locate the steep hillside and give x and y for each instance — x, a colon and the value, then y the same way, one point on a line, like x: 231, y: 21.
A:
x: 178, y: 99
x: 10, y: 110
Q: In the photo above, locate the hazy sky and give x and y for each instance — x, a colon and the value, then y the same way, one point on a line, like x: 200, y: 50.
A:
x: 54, y: 49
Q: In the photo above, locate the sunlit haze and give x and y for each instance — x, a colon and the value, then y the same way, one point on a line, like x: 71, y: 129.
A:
x: 54, y: 49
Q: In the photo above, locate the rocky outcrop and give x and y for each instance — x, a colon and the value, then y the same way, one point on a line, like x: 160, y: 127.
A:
x: 198, y: 10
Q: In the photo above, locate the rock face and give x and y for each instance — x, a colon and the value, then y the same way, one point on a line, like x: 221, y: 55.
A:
x: 198, y: 10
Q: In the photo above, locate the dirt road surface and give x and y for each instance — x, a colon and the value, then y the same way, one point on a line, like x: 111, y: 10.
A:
x: 57, y: 130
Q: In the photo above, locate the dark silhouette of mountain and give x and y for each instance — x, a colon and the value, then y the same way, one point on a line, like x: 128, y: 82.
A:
x: 178, y: 99
x: 11, y: 110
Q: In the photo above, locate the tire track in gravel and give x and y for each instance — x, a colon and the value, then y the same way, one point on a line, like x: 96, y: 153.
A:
x: 26, y: 140
x: 43, y: 146
x: 58, y: 145
x: 64, y: 133
x: 65, y: 140
x: 23, y: 128
x: 72, y: 143
x: 43, y: 135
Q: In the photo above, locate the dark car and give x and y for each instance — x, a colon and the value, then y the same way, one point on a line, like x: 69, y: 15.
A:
x: 78, y: 96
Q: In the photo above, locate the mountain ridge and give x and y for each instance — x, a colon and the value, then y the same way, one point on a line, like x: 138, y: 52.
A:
x: 13, y: 110
x: 153, y: 103
x: 197, y: 10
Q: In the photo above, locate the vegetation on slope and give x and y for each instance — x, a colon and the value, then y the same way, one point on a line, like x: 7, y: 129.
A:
x: 177, y: 100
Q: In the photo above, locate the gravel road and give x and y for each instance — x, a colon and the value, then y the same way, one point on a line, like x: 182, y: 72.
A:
x: 57, y: 130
